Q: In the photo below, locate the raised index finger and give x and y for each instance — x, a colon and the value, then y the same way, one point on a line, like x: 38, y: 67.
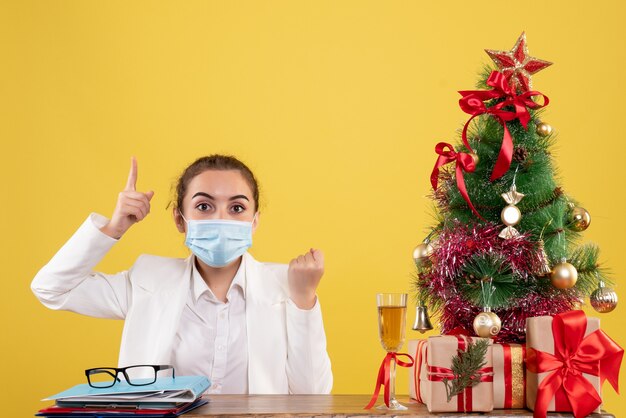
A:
x: 132, y: 176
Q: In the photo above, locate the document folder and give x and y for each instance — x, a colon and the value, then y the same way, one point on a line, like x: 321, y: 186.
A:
x: 165, y: 390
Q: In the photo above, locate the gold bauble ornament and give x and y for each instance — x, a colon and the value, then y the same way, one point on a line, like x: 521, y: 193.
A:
x: 487, y: 324
x: 543, y: 129
x: 563, y: 275
x: 578, y: 219
x: 603, y: 299
x: 422, y: 252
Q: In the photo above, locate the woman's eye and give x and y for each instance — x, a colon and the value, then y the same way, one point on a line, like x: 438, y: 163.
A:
x: 203, y: 207
x: 238, y: 208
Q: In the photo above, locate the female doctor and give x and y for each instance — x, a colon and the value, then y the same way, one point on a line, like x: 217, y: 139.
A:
x: 250, y: 327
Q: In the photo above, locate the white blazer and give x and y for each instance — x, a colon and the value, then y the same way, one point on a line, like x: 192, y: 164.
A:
x: 286, y: 346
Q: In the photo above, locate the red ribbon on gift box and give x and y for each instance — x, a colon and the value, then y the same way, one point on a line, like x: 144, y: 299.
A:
x: 472, y: 103
x: 383, y: 376
x: 417, y: 370
x: 508, y: 375
x: 464, y: 399
x: 574, y: 354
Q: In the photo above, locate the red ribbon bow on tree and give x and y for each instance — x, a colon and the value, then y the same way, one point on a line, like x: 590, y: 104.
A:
x: 464, y: 162
x: 473, y: 103
x: 384, y: 374
x: 574, y: 354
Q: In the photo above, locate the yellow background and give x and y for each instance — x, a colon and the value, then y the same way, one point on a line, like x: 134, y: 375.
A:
x: 335, y: 105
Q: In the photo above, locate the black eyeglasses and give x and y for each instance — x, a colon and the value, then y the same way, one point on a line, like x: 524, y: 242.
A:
x: 140, y: 375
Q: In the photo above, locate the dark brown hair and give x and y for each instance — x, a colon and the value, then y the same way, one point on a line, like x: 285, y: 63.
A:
x: 215, y: 162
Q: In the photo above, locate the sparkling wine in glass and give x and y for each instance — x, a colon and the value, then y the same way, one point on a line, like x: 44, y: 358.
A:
x: 391, y: 325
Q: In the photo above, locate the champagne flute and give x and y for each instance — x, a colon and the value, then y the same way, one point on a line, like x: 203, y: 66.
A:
x: 391, y: 324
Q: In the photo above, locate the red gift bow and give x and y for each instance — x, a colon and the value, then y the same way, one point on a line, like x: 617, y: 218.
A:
x: 464, y: 162
x: 383, y: 376
x: 438, y: 374
x: 596, y: 354
x: 473, y: 103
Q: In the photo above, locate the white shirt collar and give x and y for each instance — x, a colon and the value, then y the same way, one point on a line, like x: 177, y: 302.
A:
x: 199, y: 286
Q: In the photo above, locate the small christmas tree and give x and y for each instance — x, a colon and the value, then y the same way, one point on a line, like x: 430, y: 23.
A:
x: 505, y: 247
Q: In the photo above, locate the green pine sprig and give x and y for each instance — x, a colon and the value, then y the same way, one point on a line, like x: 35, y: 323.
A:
x: 585, y: 259
x: 503, y: 284
x: 465, y: 367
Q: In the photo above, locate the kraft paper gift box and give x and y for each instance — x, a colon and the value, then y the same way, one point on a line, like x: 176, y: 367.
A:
x: 440, y: 351
x: 567, y: 358
x: 509, y: 376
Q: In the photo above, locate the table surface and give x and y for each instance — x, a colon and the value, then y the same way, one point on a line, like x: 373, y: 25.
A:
x: 331, y: 406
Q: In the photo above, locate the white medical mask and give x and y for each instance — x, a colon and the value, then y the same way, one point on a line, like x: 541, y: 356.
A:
x: 218, y: 242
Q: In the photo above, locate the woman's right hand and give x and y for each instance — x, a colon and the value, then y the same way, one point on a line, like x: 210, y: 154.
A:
x: 132, y: 206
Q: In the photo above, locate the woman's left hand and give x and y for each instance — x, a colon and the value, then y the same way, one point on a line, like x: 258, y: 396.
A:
x: 304, y: 275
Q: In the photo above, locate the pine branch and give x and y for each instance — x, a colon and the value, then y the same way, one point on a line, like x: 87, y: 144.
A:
x: 466, y: 366
x: 585, y: 259
x: 489, y: 266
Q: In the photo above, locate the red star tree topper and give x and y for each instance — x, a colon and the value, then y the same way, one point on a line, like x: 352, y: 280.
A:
x: 516, y: 65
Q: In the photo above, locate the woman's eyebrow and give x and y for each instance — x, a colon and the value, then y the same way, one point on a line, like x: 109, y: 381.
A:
x: 208, y: 196
x: 239, y: 196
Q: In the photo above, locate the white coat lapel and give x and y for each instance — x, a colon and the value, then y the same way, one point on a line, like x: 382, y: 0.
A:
x: 267, y: 339
x: 160, y: 291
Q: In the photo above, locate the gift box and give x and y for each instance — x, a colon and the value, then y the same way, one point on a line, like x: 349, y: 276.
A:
x: 568, y: 358
x: 509, y: 376
x: 429, y: 376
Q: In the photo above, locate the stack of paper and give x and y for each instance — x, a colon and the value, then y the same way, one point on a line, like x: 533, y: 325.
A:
x: 167, y: 397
